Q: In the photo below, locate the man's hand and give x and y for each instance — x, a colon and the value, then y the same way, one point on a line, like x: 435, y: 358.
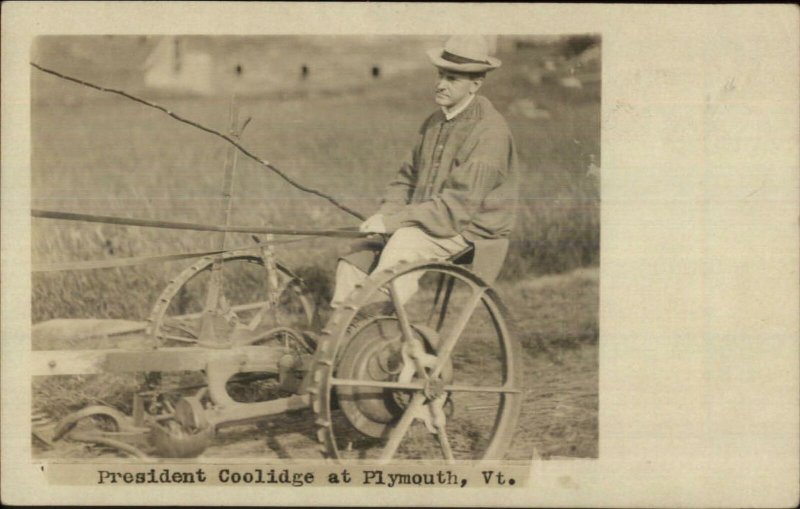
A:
x: 373, y: 224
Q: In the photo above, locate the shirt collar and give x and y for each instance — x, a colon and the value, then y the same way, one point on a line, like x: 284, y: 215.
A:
x: 450, y: 115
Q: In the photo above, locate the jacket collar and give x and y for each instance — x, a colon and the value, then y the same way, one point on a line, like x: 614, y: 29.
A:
x: 450, y: 115
x: 473, y: 111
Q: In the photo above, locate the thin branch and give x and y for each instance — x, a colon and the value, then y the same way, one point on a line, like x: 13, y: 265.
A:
x: 208, y: 130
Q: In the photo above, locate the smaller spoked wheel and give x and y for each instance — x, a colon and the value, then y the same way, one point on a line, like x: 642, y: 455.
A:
x: 251, y: 306
x: 439, y: 378
x: 256, y: 303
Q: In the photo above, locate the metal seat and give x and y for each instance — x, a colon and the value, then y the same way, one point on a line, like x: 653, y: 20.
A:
x: 463, y: 257
x: 484, y: 257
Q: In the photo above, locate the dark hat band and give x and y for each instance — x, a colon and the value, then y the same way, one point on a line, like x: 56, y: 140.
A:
x: 457, y: 59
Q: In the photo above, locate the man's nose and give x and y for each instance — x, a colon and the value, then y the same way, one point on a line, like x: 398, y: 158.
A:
x: 441, y: 84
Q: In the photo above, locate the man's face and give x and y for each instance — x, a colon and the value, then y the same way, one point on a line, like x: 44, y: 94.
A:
x: 453, y: 87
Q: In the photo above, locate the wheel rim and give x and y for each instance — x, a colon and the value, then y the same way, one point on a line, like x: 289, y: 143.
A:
x: 470, y: 416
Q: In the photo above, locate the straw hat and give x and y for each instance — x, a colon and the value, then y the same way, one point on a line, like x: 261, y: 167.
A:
x: 464, y: 53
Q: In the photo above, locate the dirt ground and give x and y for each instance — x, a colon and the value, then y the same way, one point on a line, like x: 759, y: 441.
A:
x: 557, y: 326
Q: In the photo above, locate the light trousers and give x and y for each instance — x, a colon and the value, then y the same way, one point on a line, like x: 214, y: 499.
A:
x: 406, y: 244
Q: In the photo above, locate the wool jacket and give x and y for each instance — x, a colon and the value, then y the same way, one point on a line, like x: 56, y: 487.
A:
x: 461, y: 177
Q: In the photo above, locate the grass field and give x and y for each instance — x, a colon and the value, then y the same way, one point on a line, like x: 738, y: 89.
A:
x: 100, y: 154
x: 343, y: 134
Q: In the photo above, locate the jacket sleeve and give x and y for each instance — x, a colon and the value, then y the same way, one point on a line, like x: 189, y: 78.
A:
x: 399, y: 191
x: 451, y: 210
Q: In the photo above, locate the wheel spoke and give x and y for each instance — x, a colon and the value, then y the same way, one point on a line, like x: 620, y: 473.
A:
x: 377, y: 383
x: 176, y: 323
x: 405, y: 324
x: 415, y: 347
x: 178, y: 338
x: 449, y: 342
x: 400, y: 429
x: 417, y: 386
x: 266, y: 306
x: 481, y: 388
x: 439, y: 422
x: 236, y: 309
x: 447, y: 451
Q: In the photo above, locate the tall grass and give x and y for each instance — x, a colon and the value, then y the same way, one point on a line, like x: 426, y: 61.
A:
x: 97, y: 154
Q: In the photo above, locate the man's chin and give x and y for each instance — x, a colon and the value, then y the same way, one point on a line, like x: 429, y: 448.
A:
x: 442, y: 101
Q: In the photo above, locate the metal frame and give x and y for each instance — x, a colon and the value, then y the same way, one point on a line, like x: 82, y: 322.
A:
x: 425, y: 371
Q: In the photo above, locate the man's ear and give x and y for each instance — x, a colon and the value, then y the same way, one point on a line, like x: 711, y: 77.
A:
x: 475, y: 85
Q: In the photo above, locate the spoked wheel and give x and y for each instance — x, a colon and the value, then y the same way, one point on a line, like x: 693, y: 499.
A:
x: 257, y: 303
x: 441, y: 378
x: 246, y: 307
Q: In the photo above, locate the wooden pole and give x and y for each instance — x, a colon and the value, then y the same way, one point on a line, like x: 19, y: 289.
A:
x: 349, y: 232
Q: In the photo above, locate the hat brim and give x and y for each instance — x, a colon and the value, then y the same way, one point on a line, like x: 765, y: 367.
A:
x: 435, y: 56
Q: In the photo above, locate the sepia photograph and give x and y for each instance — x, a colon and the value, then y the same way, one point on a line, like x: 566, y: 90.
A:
x: 301, y: 247
x: 399, y: 254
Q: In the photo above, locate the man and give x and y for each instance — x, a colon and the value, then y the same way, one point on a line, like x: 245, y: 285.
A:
x: 459, y: 187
